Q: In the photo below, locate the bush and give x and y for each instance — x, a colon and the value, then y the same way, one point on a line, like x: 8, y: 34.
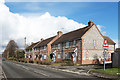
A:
x: 68, y: 62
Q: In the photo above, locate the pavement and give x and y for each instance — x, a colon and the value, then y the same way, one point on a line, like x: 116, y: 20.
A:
x: 2, y: 74
x: 27, y: 70
x: 84, y: 70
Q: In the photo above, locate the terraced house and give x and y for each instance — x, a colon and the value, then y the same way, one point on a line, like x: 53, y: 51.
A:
x: 83, y: 46
x: 41, y: 50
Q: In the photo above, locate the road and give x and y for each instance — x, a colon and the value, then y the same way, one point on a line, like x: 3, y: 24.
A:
x: 22, y: 70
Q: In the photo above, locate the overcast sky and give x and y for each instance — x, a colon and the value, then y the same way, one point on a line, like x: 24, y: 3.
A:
x: 35, y: 20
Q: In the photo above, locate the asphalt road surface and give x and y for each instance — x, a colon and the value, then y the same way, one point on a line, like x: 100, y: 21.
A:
x: 22, y: 70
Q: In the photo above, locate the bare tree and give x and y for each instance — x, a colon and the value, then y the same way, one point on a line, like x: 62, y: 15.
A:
x: 10, y: 49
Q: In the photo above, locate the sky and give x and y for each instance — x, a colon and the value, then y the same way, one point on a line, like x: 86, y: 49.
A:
x: 36, y: 20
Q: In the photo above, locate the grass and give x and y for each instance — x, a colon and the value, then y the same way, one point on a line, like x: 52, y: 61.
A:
x: 111, y: 71
x: 56, y: 63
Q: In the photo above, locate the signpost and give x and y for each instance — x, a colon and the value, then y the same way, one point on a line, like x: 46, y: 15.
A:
x: 105, y: 46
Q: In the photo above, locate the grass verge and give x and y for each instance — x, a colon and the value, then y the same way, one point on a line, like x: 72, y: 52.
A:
x: 111, y: 71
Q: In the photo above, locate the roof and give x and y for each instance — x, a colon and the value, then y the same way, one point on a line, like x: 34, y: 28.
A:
x: 117, y: 50
x: 76, y: 34
x: 109, y: 40
x: 45, y: 42
x: 32, y: 45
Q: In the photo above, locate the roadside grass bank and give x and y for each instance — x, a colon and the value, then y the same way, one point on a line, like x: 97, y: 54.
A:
x: 109, y: 71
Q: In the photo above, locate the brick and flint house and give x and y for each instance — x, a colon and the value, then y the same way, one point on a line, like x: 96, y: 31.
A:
x: 41, y: 49
x: 83, y: 46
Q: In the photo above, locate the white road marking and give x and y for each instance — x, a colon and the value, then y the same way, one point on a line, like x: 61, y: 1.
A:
x: 41, y: 73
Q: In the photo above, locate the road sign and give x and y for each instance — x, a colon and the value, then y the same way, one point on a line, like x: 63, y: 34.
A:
x: 105, y: 46
x: 105, y: 43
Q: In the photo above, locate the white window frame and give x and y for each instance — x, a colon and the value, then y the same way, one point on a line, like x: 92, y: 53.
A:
x: 59, y: 56
x: 86, y: 55
x: 45, y: 56
x: 59, y: 46
x: 67, y: 44
x: 35, y: 49
x: 94, y: 43
x: 74, y: 43
x: 44, y: 47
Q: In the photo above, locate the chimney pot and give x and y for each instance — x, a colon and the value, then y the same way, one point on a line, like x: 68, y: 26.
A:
x: 59, y: 33
x: 90, y: 23
x: 31, y: 42
x: 41, y: 39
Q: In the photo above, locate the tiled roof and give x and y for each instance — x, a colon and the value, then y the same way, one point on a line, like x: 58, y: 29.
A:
x: 117, y: 50
x: 76, y: 34
x: 45, y: 42
x: 32, y: 45
x: 108, y: 39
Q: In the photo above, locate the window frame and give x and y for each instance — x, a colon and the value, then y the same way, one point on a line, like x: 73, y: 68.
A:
x: 67, y: 44
x: 59, y: 46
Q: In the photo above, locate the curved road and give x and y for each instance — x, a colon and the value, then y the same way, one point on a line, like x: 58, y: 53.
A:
x: 22, y: 70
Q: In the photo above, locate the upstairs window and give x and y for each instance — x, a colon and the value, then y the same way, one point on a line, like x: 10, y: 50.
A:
x: 53, y: 46
x: 67, y: 44
x: 58, y: 46
x: 44, y: 47
x: 74, y: 43
x: 35, y: 49
x: 87, y: 55
x: 94, y: 43
x: 80, y: 44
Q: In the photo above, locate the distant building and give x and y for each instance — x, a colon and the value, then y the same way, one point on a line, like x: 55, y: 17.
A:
x: 83, y: 46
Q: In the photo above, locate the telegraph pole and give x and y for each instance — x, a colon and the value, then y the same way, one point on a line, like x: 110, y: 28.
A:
x: 25, y: 47
x: 24, y: 42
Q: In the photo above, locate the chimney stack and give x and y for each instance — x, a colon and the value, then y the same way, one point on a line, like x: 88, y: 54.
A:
x: 90, y: 23
x: 59, y: 33
x: 41, y: 39
x: 31, y: 42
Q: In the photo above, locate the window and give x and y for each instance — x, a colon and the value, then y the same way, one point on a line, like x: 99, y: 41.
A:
x: 80, y: 44
x: 109, y: 55
x: 59, y: 56
x: 87, y: 55
x: 74, y: 43
x: 41, y: 47
x: 35, y: 49
x: 58, y: 46
x: 45, y: 56
x: 44, y: 47
x: 94, y: 43
x: 67, y: 44
x: 30, y: 56
x: 53, y: 46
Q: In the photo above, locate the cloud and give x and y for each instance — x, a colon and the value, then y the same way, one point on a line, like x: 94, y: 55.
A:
x: 15, y: 26
x: 100, y: 27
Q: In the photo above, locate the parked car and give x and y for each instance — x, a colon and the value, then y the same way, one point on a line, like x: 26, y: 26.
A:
x: 3, y: 59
